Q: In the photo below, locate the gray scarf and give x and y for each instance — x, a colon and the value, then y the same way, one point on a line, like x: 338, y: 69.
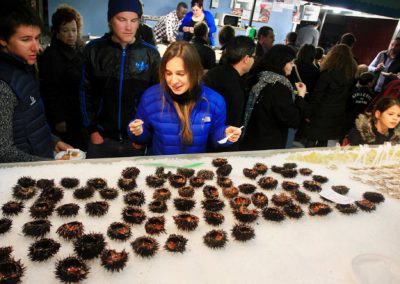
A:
x: 265, y: 77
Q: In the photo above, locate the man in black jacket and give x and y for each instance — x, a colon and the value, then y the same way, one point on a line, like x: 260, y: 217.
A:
x: 118, y: 68
x: 228, y: 80
x: 199, y: 41
x: 265, y: 41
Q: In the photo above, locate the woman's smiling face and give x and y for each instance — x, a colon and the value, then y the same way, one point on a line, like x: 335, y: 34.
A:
x: 176, y: 76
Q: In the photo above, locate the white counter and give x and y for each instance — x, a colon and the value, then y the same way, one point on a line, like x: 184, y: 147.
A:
x: 309, y: 250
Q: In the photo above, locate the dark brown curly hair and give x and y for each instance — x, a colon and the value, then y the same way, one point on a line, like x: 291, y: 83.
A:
x: 65, y: 14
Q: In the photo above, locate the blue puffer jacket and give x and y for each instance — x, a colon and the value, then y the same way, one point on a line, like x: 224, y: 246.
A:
x: 208, y: 18
x: 162, y: 126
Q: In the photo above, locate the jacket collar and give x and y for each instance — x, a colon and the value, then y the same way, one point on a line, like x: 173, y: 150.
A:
x: 199, y: 41
x: 15, y: 60
x: 67, y: 50
x: 170, y: 101
x: 108, y: 37
x: 232, y: 70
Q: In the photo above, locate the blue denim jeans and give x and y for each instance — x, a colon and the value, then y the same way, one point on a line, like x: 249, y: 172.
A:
x: 290, y: 138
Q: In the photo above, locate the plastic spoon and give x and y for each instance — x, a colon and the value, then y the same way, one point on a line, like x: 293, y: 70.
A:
x: 223, y: 141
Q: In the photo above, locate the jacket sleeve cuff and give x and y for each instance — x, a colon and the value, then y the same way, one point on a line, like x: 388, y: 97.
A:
x: 92, y: 128
x: 55, y: 139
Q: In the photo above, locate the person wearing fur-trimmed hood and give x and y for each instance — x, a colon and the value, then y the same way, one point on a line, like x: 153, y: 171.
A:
x: 380, y: 127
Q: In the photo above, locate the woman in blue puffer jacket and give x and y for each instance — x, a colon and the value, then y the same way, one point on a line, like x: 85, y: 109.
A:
x: 180, y: 115
x: 198, y: 15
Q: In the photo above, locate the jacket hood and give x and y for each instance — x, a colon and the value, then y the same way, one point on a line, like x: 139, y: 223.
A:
x: 368, y: 132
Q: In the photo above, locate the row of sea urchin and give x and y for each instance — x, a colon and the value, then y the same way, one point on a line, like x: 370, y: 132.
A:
x: 217, y: 238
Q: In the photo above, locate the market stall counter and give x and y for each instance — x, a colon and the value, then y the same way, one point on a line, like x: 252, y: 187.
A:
x: 295, y: 240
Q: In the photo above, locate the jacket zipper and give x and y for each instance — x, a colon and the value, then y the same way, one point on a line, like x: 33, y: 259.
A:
x: 121, y: 79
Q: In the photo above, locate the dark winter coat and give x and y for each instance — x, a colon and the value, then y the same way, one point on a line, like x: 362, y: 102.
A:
x: 357, y: 103
x: 260, y: 51
x: 114, y: 80
x: 60, y: 68
x: 328, y: 101
x: 226, y: 81
x: 206, y: 53
x: 366, y: 133
x: 31, y: 133
x: 309, y: 74
x: 162, y: 127
x: 273, y: 114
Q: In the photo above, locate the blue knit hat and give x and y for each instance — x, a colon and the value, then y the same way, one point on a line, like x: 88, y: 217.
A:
x: 117, y: 6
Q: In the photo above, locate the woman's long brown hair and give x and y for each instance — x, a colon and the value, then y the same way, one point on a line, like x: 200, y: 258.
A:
x: 340, y: 58
x: 194, y: 69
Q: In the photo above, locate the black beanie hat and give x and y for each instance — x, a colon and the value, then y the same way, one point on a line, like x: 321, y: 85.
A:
x: 117, y: 6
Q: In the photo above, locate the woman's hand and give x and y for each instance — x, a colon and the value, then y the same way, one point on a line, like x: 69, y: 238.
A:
x: 301, y: 89
x: 96, y: 138
x: 188, y: 29
x: 235, y: 131
x: 136, y: 127
x: 62, y: 146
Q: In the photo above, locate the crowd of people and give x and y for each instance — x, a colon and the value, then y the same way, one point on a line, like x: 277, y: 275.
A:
x: 116, y: 97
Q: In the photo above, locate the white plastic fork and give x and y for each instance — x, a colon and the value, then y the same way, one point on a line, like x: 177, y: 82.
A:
x: 224, y: 140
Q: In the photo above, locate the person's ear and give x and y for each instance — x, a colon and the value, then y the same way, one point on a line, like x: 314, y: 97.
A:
x: 3, y: 43
x: 377, y: 114
x: 245, y: 59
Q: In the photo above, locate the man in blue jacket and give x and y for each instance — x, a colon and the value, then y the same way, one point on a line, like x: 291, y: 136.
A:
x: 118, y: 68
